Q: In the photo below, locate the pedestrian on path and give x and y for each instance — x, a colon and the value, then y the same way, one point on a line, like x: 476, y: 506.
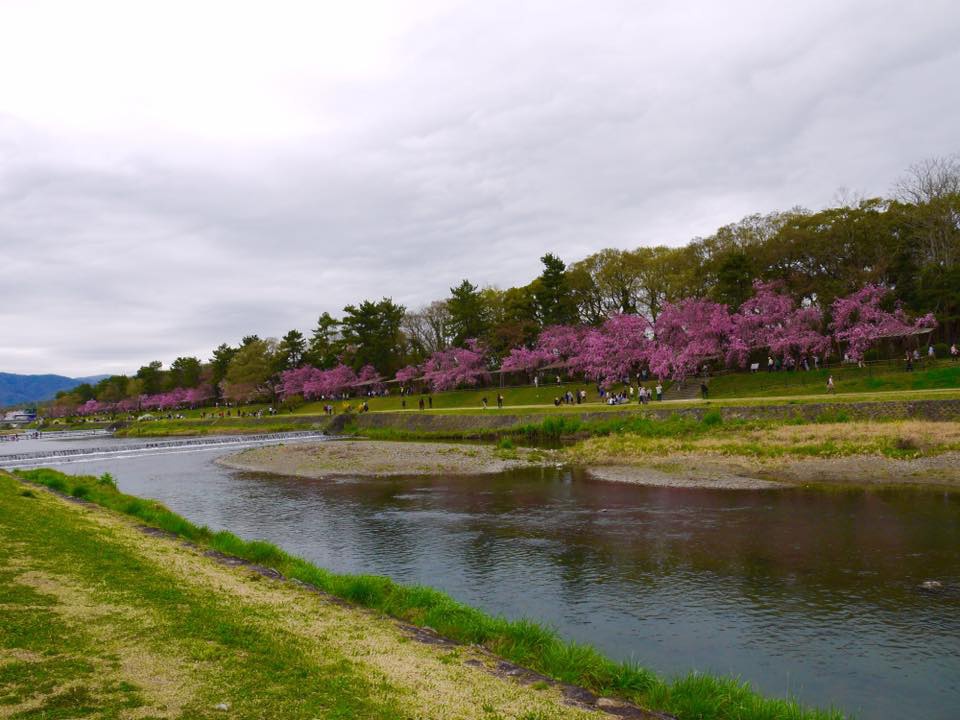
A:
x: 830, y: 387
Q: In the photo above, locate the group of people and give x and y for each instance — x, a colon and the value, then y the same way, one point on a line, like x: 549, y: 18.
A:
x: 811, y: 362
x: 485, y: 403
x: 29, y: 435
x: 570, y: 397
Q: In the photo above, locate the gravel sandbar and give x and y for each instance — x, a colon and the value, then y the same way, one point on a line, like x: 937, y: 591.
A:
x: 379, y: 458
x: 680, y: 476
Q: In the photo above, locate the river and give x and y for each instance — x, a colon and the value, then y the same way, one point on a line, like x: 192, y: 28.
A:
x: 808, y: 593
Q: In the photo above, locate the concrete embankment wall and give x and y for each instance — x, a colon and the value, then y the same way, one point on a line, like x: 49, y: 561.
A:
x: 493, y: 420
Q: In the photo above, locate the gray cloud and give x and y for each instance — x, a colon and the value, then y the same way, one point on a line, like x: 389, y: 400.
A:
x: 169, y: 185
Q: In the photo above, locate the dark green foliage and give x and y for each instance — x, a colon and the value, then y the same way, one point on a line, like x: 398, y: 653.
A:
x: 468, y: 312
x: 184, y: 373
x: 371, y: 335
x: 151, y: 377
x: 712, y: 418
x: 290, y: 351
x: 552, y: 293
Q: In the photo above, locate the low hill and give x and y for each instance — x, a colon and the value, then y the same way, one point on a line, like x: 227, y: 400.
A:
x: 20, y: 389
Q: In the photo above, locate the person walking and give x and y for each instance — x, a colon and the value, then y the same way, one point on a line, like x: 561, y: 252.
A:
x: 500, y: 401
x: 421, y: 403
x: 830, y: 387
x: 659, y: 392
x: 430, y: 401
x: 704, y: 390
x: 954, y: 352
x: 484, y: 401
x: 931, y: 353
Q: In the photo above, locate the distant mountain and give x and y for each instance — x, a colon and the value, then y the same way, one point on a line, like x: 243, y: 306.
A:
x: 20, y: 389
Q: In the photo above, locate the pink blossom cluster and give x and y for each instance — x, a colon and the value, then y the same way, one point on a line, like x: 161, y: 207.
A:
x: 859, y: 320
x: 177, y: 398
x: 313, y: 383
x: 692, y: 332
x: 454, y: 367
x: 771, y: 319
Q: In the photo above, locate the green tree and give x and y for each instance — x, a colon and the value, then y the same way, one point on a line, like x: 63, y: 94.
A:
x: 291, y: 350
x: 371, y: 335
x: 220, y: 362
x: 112, y: 389
x: 554, y: 301
x: 185, y: 372
x: 512, y: 319
x: 735, y: 276
x: 326, y: 343
x: 468, y: 315
x: 249, y: 372
x: 152, y: 377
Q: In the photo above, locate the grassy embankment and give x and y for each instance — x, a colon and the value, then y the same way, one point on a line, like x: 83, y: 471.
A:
x: 832, y: 436
x: 102, y: 621
x: 875, y: 384
x: 639, y: 438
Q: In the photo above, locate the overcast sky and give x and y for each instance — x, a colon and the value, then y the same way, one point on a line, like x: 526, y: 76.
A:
x: 174, y: 175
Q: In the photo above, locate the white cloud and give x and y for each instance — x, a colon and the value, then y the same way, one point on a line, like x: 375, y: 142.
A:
x: 174, y: 175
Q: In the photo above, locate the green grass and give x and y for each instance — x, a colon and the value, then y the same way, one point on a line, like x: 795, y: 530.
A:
x: 81, y: 666
x: 848, y: 379
x: 691, y: 697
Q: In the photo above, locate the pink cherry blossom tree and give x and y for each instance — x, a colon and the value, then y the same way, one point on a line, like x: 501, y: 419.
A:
x: 408, y: 373
x: 454, y: 367
x: 612, y: 352
x: 328, y: 383
x: 687, y: 335
x: 524, y: 359
x: 369, y: 379
x: 292, y: 381
x: 561, y: 342
x: 859, y: 321
x: 771, y: 319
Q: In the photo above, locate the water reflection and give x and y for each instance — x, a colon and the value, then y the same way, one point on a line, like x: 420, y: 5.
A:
x: 799, y: 592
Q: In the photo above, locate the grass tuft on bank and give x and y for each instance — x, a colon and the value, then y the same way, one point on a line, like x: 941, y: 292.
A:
x: 692, y: 697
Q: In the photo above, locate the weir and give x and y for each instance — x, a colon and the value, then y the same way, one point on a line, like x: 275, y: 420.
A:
x: 39, y: 457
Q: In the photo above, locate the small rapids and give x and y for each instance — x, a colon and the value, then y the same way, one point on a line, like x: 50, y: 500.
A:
x: 42, y: 457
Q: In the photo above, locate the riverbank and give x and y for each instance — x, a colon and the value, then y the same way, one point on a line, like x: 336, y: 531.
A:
x: 219, y: 625
x: 378, y: 458
x: 722, y: 455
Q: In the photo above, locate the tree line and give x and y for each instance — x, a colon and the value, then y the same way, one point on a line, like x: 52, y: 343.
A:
x: 908, y: 244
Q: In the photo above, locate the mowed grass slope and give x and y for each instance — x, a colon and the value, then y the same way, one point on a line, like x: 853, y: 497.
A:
x: 99, y: 620
x: 102, y: 621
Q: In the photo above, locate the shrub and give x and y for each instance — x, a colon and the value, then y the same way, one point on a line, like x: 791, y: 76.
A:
x: 712, y: 419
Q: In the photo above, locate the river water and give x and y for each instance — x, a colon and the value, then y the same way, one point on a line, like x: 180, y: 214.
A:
x: 812, y: 594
